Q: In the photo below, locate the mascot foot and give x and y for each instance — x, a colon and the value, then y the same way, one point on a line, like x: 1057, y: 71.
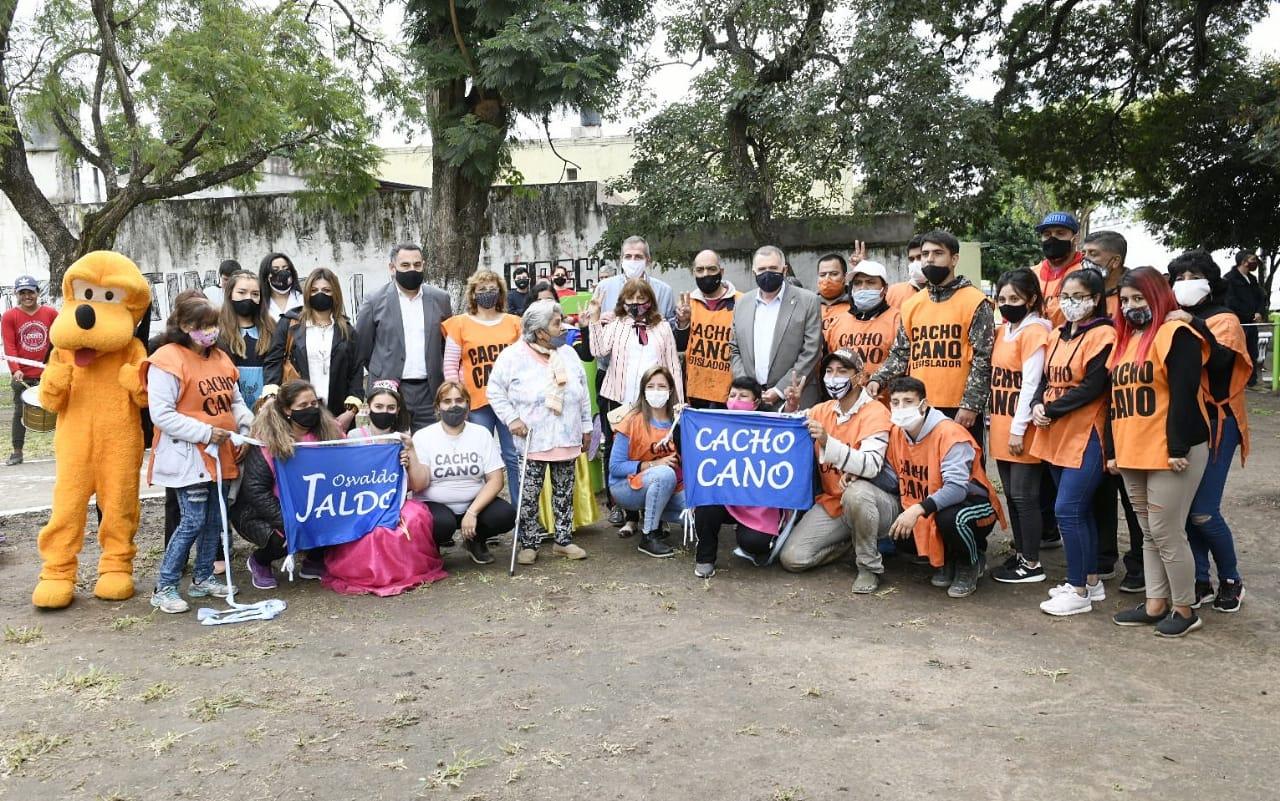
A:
x: 53, y: 593
x: 114, y: 587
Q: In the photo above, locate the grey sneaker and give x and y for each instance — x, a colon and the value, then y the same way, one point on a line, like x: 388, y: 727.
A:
x: 15, y: 458
x: 211, y: 586
x: 966, y: 581
x: 167, y: 600
x: 704, y: 570
x: 943, y: 576
x: 866, y: 582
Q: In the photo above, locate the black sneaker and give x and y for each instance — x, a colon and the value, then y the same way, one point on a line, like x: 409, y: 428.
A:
x: 1137, y: 616
x: 1010, y: 562
x: 1050, y: 540
x: 478, y: 550
x: 944, y: 576
x: 1021, y: 573
x: 650, y: 545
x: 1204, y: 592
x: 1133, y: 582
x: 617, y: 516
x: 1230, y: 595
x: 1175, y: 625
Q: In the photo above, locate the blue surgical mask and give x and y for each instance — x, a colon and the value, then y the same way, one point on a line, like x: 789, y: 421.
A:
x: 557, y: 341
x: 867, y: 299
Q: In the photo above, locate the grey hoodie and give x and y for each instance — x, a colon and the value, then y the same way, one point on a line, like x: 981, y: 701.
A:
x: 957, y: 467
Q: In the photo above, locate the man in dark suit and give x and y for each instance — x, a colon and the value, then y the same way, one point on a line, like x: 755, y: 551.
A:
x: 777, y: 331
x: 398, y: 334
x: 1246, y: 297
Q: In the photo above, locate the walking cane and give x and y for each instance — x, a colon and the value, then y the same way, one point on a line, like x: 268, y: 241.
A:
x: 524, y: 468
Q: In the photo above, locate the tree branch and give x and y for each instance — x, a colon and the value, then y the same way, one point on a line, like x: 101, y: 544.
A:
x: 111, y: 51
x: 109, y: 176
x: 546, y: 127
x: 234, y: 169
x: 77, y: 144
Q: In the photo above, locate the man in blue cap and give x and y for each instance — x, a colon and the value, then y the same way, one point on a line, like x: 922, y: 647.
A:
x: 1059, y: 241
x: 26, y: 337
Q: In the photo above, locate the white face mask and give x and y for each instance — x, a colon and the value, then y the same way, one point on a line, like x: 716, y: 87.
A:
x: 633, y: 268
x: 1076, y: 310
x: 907, y: 417
x: 657, y: 398
x: 837, y: 387
x: 1191, y: 292
x: 916, y: 270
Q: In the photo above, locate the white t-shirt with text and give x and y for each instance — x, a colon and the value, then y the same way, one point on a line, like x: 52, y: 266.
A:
x: 457, y: 465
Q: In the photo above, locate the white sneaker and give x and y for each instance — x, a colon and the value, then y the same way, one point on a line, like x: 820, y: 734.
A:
x: 1067, y: 603
x: 1097, y: 592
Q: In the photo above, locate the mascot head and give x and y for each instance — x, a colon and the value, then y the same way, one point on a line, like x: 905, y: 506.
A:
x: 104, y: 298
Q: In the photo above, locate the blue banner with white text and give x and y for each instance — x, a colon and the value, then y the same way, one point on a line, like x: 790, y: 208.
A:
x: 331, y: 494
x: 746, y: 459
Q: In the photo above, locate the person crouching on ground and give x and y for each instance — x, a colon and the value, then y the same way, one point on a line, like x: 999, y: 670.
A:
x: 286, y: 417
x: 858, y: 498
x: 194, y: 400
x: 949, y: 505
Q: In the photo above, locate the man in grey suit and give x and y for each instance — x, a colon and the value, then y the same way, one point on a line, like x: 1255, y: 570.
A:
x: 398, y: 334
x: 777, y: 331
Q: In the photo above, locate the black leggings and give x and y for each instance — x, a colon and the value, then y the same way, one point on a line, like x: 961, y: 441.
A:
x: 498, y: 517
x: 964, y: 529
x: 1022, y: 490
x: 707, y: 521
x: 1104, y: 511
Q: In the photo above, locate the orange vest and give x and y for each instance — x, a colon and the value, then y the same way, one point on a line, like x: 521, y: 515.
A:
x: 1227, y: 330
x: 1006, y: 386
x: 480, y: 345
x: 940, y: 348
x: 900, y: 293
x: 1051, y: 288
x: 918, y: 465
x: 872, y: 338
x: 1063, y: 443
x: 706, y: 357
x: 206, y: 392
x: 1140, y: 401
x: 872, y: 418
x: 645, y: 445
x: 831, y: 312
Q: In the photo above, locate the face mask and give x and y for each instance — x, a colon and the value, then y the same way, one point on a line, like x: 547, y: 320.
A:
x: 769, y: 281
x: 1093, y: 265
x: 1076, y: 310
x: 633, y: 268
x: 837, y: 387
x: 557, y: 341
x: 907, y: 417
x: 1138, y: 318
x: 708, y: 284
x: 867, y: 299
x: 245, y: 307
x: 454, y: 416
x: 410, y: 279
x: 205, y: 339
x: 307, y: 418
x: 638, y: 311
x: 830, y: 288
x: 322, y: 302
x: 1055, y: 248
x: 1191, y: 292
x: 916, y: 270
x: 739, y: 405
x: 559, y: 280
x: 281, y: 281
x: 936, y: 274
x: 657, y: 398
x: 383, y: 421
x: 522, y: 284
x: 1013, y: 314
x: 487, y: 300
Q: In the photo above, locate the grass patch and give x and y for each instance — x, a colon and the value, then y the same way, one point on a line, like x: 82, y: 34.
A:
x: 225, y: 654
x: 400, y: 720
x: 94, y: 684
x: 28, y: 746
x: 165, y: 742
x: 157, y: 692
x: 452, y: 774
x: 133, y: 622
x: 207, y: 710
x: 788, y: 794
x: 23, y: 635
x: 1051, y: 674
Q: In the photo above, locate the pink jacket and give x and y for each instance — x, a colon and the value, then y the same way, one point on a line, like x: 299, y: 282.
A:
x: 613, y: 340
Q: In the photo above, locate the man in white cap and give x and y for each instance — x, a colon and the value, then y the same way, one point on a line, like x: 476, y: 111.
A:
x: 869, y: 324
x: 26, y: 337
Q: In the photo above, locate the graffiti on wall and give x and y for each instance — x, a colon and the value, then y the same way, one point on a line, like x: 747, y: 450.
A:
x: 583, y: 272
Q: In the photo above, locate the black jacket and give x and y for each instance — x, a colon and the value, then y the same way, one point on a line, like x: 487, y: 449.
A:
x: 1245, y: 296
x: 345, y: 370
x: 256, y: 512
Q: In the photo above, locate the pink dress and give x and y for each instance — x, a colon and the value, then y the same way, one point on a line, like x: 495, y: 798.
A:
x: 387, y: 561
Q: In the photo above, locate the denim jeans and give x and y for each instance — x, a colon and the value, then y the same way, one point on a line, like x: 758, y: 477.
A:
x: 1206, y: 528
x: 201, y: 525
x: 1074, y: 510
x: 658, y: 500
x: 484, y: 416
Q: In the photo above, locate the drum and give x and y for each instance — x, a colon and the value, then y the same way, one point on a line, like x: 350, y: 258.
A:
x: 34, y: 417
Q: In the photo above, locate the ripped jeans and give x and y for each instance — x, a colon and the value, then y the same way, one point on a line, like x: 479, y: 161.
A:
x: 200, y: 524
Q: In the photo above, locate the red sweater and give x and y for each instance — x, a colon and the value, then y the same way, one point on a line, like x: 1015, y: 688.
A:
x: 26, y: 336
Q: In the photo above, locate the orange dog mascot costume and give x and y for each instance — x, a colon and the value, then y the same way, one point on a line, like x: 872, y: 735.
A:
x: 92, y: 382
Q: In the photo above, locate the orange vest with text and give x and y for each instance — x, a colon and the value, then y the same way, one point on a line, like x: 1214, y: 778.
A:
x: 872, y: 418
x: 872, y: 338
x: 480, y: 345
x: 1063, y: 443
x: 645, y: 444
x: 206, y: 392
x: 919, y: 469
x: 900, y: 293
x: 1227, y: 330
x: 939, y: 337
x: 706, y: 357
x: 1140, y: 401
x: 1006, y: 385
x: 831, y: 312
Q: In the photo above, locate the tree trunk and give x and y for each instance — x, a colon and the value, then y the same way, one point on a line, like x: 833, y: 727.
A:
x: 32, y: 206
x: 752, y: 169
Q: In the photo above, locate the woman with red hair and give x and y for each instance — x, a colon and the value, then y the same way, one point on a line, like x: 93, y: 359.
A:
x: 1159, y: 433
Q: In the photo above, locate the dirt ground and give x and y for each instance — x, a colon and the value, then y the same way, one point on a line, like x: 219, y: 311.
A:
x: 623, y: 677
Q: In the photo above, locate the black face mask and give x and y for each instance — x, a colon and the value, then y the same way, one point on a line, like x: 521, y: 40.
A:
x: 410, y: 279
x: 322, y: 302
x: 522, y: 284
x: 559, y: 280
x: 638, y: 311
x: 1055, y: 248
x: 936, y: 274
x: 307, y: 418
x: 709, y: 284
x: 383, y: 421
x: 245, y: 307
x: 453, y: 416
x: 281, y: 280
x: 769, y: 281
x: 1013, y: 314
x: 1139, y: 317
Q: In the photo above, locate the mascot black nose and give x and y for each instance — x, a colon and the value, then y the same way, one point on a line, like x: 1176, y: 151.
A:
x: 85, y: 318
